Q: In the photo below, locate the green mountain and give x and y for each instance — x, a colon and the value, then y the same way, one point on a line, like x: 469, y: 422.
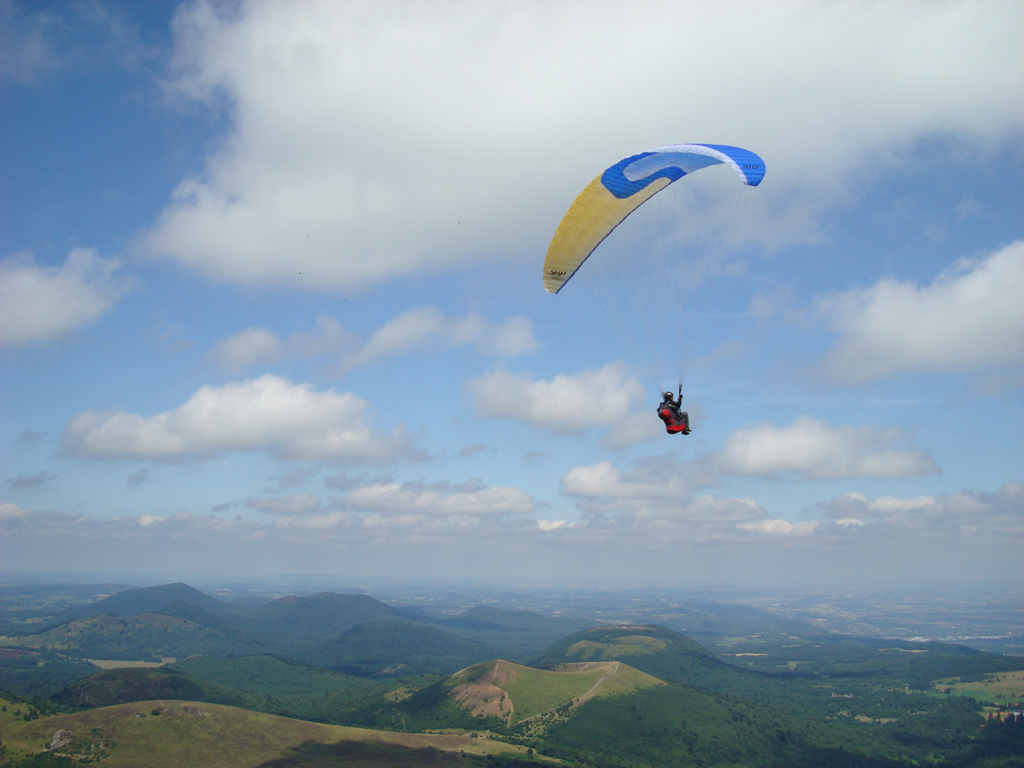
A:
x: 314, y: 618
x: 516, y: 694
x: 679, y: 726
x: 120, y: 686
x: 301, y: 690
x: 660, y: 652
x: 498, y: 694
x: 607, y: 713
x: 516, y: 635
x: 132, y: 602
x: 394, y: 647
x: 146, y: 637
x: 38, y: 671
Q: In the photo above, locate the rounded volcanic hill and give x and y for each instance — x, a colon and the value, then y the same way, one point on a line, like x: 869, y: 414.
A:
x: 120, y: 686
x: 394, y: 647
x: 661, y: 652
x: 500, y: 692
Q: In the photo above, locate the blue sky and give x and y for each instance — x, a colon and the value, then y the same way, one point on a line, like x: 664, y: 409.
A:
x: 270, y: 295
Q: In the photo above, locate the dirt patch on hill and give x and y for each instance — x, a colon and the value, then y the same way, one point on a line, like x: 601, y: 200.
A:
x: 484, y: 698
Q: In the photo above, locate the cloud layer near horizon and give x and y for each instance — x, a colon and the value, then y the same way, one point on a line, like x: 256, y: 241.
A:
x: 424, y: 527
x: 478, y: 123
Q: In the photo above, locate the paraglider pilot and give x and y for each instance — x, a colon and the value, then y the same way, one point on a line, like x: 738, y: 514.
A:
x: 676, y: 421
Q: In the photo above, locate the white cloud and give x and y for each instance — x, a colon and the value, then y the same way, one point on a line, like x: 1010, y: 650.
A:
x: 970, y: 512
x: 410, y: 506
x: 811, y: 449
x: 651, y: 478
x: 440, y: 499
x: 969, y: 318
x: 258, y: 346
x: 551, y: 525
x: 51, y: 526
x: 465, y: 530
x: 42, y: 303
x: 779, y: 527
x: 11, y: 512
x: 570, y: 403
x: 249, y: 347
x: 657, y: 496
x: 423, y: 327
x: 375, y: 140
x: 292, y: 421
x: 414, y: 330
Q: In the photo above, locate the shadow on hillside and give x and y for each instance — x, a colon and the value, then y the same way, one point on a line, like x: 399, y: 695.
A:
x: 356, y: 754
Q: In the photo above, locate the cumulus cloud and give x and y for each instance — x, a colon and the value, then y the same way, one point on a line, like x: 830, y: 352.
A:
x: 652, y: 478
x: 440, y: 499
x: 570, y: 403
x: 258, y: 346
x: 248, y: 347
x: 291, y: 421
x: 11, y: 513
x: 424, y: 327
x: 42, y: 303
x: 969, y: 318
x: 551, y: 525
x: 811, y: 449
x: 414, y: 330
x: 779, y: 527
x: 657, y: 496
x: 970, y: 512
x: 480, y: 120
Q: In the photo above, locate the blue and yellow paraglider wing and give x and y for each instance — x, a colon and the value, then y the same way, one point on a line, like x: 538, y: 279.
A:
x: 620, y: 190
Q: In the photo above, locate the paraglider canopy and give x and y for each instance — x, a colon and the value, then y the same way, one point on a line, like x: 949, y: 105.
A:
x: 623, y: 188
x: 653, y: 278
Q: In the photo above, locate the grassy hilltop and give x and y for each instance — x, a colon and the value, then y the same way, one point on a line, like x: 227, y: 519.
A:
x: 183, y: 734
x: 514, y: 693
